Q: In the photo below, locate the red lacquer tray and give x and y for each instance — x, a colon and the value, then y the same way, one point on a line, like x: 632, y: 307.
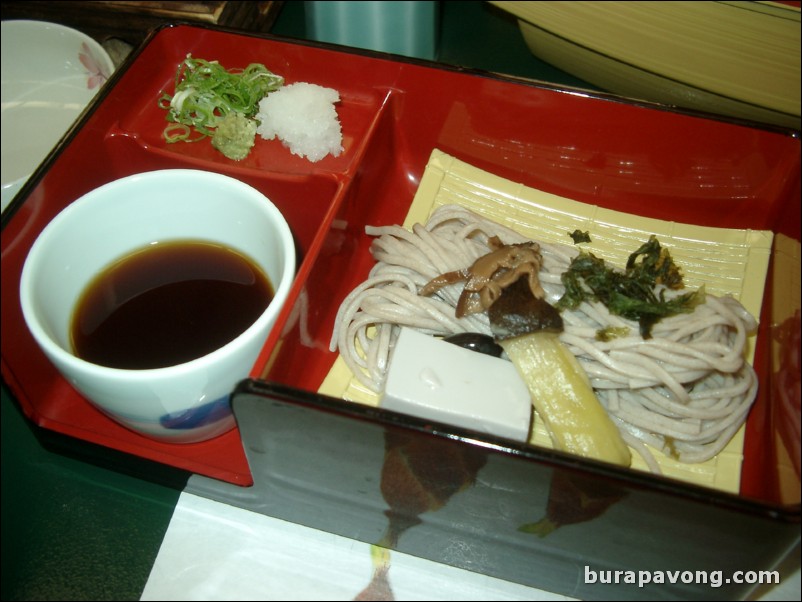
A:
x: 629, y: 157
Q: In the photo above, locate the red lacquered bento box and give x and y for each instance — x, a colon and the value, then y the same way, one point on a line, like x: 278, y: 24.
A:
x: 334, y: 465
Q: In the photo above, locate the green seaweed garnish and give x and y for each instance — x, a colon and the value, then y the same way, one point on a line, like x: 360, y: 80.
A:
x: 578, y: 236
x: 631, y: 293
x: 605, y: 335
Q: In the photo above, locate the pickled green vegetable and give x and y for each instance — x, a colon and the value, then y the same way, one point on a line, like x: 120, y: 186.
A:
x: 631, y: 293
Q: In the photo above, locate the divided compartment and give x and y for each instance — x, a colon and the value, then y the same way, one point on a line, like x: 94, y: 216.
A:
x: 155, y: 69
x: 337, y: 472
x: 120, y: 135
x: 602, y: 151
x: 47, y: 399
x: 413, y: 485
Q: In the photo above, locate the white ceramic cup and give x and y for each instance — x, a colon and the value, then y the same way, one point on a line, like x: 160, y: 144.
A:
x: 184, y: 403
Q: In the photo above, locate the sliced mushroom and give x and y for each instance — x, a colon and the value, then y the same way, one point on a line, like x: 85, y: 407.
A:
x: 490, y: 274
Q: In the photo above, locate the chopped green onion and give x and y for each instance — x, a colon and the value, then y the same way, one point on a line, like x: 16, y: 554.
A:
x: 205, y: 92
x: 178, y: 132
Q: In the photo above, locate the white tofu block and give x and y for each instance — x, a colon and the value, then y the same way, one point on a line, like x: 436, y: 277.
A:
x: 435, y: 380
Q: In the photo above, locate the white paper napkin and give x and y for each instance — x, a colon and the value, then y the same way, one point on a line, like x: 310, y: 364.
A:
x: 213, y: 551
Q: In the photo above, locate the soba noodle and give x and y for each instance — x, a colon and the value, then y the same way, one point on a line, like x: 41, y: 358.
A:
x: 685, y: 391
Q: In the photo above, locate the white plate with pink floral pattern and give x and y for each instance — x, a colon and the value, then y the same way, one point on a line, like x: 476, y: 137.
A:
x: 49, y: 74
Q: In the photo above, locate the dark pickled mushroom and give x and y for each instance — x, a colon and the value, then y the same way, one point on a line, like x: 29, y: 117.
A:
x: 517, y: 313
x: 475, y: 341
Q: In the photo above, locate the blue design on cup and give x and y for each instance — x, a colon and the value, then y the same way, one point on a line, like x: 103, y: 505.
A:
x: 208, y: 413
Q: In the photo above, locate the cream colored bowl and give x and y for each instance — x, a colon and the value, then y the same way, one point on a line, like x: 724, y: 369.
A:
x: 740, y: 59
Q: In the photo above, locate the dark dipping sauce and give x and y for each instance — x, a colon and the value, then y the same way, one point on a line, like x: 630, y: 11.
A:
x: 167, y: 304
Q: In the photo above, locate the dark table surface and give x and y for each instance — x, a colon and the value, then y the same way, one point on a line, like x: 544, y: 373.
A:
x: 81, y: 522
